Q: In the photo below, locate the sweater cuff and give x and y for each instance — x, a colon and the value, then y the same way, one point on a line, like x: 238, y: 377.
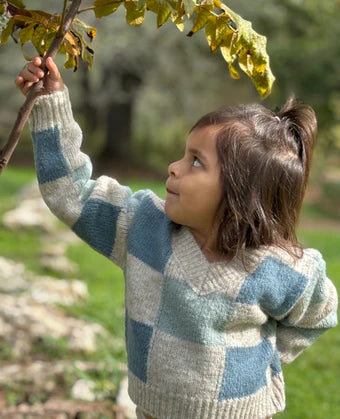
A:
x: 51, y: 110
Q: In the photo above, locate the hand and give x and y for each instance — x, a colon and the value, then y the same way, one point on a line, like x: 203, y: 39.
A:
x: 32, y: 73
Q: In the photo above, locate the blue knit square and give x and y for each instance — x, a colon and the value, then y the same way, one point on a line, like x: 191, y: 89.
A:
x: 245, y: 370
x: 97, y: 225
x: 150, y: 235
x: 48, y: 153
x: 192, y: 317
x: 274, y: 286
x: 138, y: 336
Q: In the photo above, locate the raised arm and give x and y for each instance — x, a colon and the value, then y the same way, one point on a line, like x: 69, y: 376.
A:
x: 99, y: 211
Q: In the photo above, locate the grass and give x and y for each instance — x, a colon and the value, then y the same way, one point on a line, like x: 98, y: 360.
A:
x: 312, y: 381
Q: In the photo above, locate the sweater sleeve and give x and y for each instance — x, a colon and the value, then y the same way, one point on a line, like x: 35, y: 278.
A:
x: 99, y: 211
x: 314, y: 312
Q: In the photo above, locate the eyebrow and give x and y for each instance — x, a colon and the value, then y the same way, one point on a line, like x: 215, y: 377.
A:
x: 198, y: 153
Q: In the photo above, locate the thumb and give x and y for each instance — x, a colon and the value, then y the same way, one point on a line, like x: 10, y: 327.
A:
x: 54, y: 74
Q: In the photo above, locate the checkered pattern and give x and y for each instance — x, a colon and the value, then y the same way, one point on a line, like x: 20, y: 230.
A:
x: 204, y: 340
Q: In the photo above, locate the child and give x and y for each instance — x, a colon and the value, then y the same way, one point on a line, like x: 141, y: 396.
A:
x: 218, y: 292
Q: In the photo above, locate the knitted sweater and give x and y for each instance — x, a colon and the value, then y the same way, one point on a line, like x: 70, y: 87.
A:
x: 204, y: 340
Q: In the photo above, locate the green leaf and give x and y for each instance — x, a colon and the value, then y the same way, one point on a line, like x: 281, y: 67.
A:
x: 26, y: 33
x: 82, y: 32
x: 162, y: 10
x: 17, y: 3
x: 134, y: 14
x: 7, y: 32
x: 42, y: 39
x: 106, y: 7
x: 71, y: 62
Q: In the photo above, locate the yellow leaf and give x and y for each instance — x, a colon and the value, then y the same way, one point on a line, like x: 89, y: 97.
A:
x: 216, y: 29
x: 71, y: 44
x: 233, y: 72
x: 250, y: 49
x: 34, y: 16
x: 202, y: 15
x: 229, y: 47
x: 134, y: 14
x: 106, y: 7
x: 178, y: 14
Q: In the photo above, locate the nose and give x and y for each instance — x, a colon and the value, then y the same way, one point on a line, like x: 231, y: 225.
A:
x: 173, y: 169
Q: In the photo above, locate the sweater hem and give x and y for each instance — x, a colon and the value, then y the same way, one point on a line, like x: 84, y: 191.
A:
x: 163, y: 404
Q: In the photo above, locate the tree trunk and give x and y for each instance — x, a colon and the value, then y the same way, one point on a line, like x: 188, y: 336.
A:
x: 118, y: 144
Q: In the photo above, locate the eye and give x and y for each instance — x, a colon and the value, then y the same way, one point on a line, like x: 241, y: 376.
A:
x: 197, y: 162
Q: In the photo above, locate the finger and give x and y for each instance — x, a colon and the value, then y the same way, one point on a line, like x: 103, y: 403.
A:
x: 37, y: 61
x: 27, y: 75
x: 19, y: 81
x: 37, y: 71
x: 27, y: 87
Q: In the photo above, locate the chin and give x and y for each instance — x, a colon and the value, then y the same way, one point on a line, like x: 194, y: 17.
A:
x: 171, y: 215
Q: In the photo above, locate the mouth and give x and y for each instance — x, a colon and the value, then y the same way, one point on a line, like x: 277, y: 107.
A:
x: 170, y: 191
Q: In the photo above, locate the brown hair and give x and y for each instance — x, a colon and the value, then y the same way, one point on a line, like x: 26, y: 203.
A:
x: 265, y: 160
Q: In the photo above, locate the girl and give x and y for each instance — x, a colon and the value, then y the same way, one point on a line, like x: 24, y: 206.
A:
x: 218, y: 291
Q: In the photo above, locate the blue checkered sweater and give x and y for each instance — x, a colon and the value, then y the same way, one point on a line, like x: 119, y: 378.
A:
x: 204, y: 340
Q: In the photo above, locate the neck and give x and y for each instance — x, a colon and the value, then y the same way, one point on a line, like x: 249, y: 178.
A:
x: 207, y: 243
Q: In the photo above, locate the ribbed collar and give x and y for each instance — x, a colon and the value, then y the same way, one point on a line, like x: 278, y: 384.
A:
x: 206, y: 277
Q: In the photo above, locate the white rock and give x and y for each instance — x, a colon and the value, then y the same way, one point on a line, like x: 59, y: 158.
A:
x: 25, y: 322
x: 83, y: 390
x: 12, y: 276
x: 124, y: 401
x: 58, y: 291
x: 30, y: 213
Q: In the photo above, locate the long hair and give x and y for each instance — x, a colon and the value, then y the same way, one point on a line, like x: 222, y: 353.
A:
x: 265, y: 161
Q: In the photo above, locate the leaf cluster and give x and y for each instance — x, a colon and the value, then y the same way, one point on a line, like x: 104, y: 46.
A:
x: 40, y: 28
x: 224, y: 30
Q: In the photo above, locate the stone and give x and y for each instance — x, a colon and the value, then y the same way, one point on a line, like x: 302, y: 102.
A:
x: 83, y: 390
x: 53, y: 257
x: 26, y: 322
x: 124, y: 403
x: 30, y: 214
x: 48, y: 290
x: 12, y: 276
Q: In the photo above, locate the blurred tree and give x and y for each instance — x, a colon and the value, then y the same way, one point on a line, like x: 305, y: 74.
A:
x: 305, y: 56
x: 224, y: 29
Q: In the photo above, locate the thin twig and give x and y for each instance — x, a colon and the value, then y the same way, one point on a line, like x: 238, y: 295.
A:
x: 26, y: 108
x: 86, y: 9
x: 64, y: 13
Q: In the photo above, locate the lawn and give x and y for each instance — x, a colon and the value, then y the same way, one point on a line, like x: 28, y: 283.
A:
x: 312, y: 381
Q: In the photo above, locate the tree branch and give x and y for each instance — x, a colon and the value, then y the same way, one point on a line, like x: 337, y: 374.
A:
x: 86, y: 9
x: 26, y: 108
